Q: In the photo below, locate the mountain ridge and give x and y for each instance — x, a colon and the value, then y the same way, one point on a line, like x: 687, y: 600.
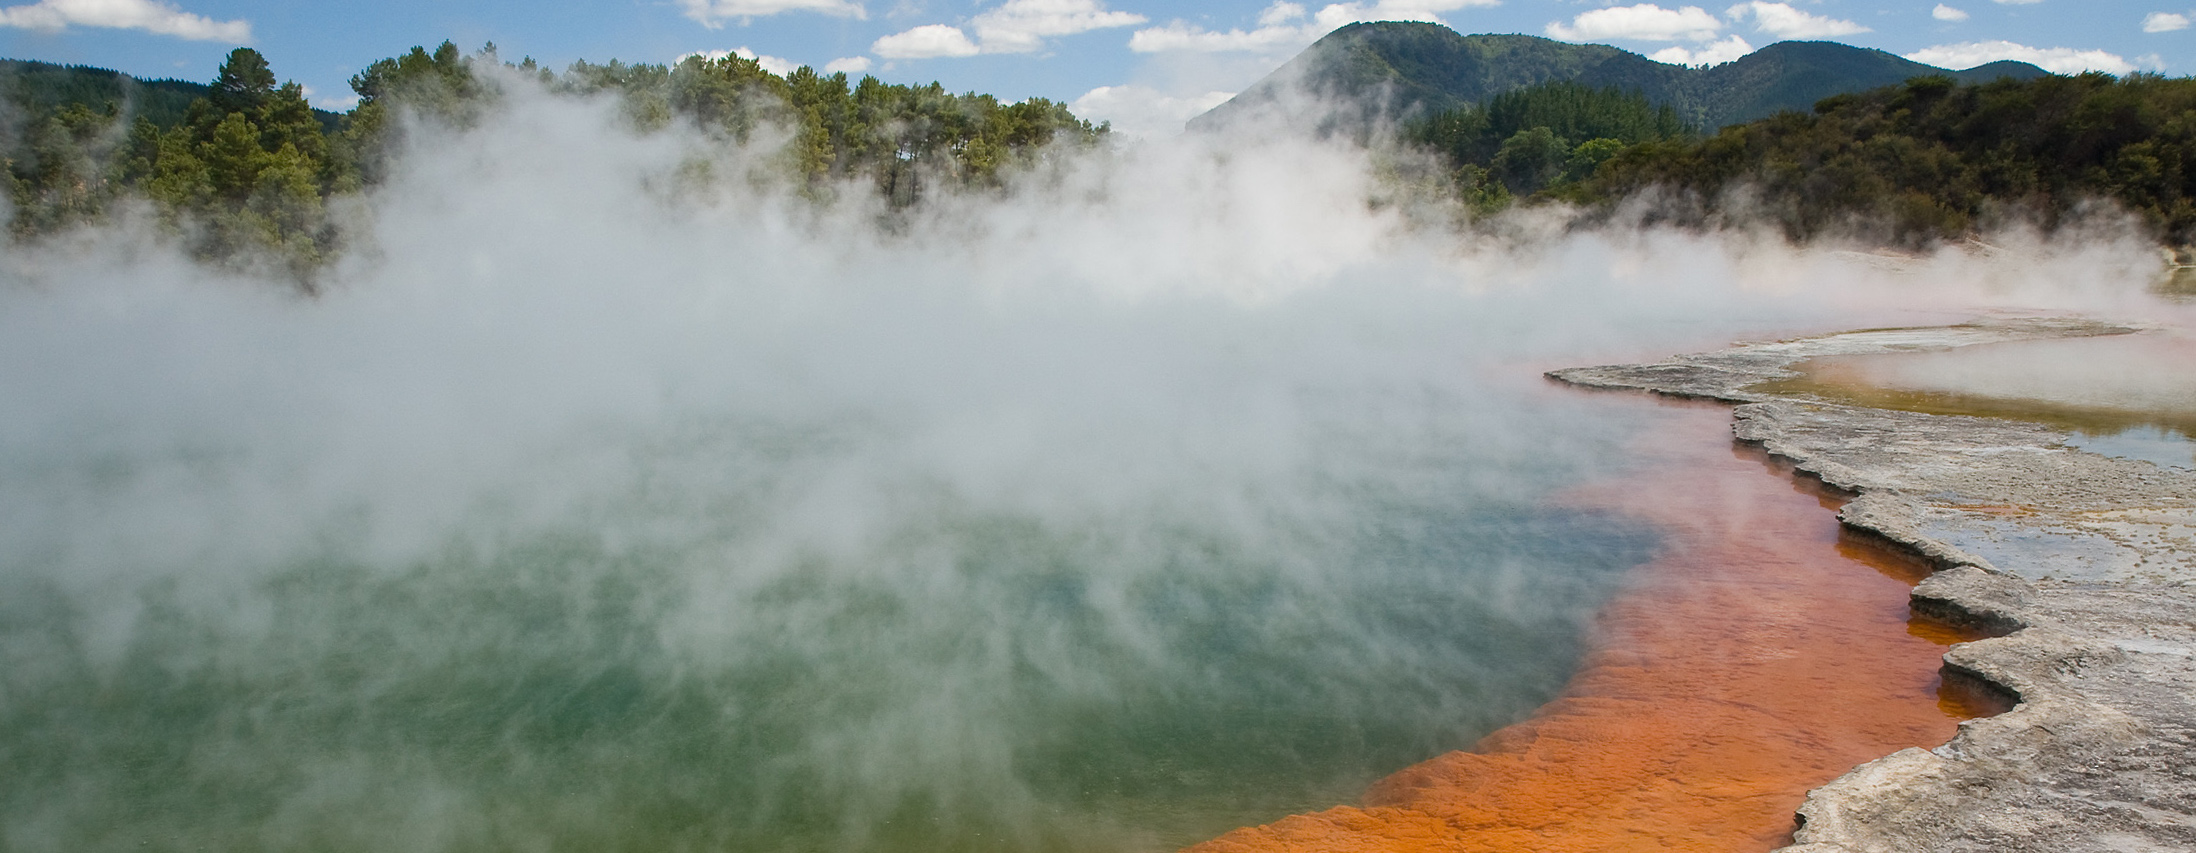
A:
x: 36, y: 88
x: 1396, y: 69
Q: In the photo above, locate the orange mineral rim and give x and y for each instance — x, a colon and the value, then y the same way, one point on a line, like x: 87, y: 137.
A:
x: 1763, y: 653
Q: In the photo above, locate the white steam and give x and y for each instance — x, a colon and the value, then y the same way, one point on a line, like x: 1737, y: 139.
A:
x: 590, y: 486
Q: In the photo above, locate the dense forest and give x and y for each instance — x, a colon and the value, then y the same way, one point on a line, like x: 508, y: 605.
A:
x: 246, y: 171
x: 1932, y: 159
x: 1908, y: 165
x: 38, y: 88
x: 1528, y: 140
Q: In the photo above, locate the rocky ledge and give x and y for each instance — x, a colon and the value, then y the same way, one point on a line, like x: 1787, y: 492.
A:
x: 2082, y: 566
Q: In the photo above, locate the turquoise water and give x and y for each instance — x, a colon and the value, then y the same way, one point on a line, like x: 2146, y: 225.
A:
x: 597, y: 503
x: 744, y: 637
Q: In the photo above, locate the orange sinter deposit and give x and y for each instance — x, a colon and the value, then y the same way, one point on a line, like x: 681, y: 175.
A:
x: 1760, y: 656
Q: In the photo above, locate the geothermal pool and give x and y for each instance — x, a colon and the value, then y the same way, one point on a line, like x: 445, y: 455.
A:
x: 1175, y: 489
x: 1763, y: 653
x: 740, y: 638
x: 667, y: 660
x: 502, y: 561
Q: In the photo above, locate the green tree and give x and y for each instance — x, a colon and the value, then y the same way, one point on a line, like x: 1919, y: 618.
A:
x: 244, y: 174
x: 1539, y: 138
x: 233, y: 157
x: 243, y: 83
x: 1930, y: 160
x: 903, y: 138
x: 244, y: 177
x: 438, y: 86
x: 1588, y: 157
x: 66, y: 172
x: 1530, y: 159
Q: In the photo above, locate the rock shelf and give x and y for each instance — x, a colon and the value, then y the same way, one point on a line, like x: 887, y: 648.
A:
x: 2085, y: 565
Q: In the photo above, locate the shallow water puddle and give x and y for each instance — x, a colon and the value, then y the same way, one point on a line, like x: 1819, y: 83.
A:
x: 1762, y: 654
x: 2129, y: 396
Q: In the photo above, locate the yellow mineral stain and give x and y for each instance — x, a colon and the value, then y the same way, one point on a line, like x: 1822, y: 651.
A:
x: 2096, y: 386
x: 1762, y: 654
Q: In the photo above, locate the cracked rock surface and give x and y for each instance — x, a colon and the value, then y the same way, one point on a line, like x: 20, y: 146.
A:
x: 2086, y: 565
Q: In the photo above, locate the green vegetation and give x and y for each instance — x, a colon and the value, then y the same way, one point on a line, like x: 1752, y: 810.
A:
x: 1892, y: 150
x: 899, y: 136
x: 1909, y: 165
x: 40, y: 88
x: 245, y: 170
x: 1548, y: 136
x: 1931, y: 159
x: 1396, y: 70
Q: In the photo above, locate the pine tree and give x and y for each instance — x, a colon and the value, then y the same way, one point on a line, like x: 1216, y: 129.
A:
x: 243, y: 84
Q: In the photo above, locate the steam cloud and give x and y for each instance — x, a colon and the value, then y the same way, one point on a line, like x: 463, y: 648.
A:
x: 608, y: 499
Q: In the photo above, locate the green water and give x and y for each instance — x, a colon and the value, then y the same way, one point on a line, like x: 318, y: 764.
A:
x: 661, y: 665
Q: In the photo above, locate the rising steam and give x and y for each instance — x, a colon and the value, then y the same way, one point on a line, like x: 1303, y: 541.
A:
x: 609, y: 497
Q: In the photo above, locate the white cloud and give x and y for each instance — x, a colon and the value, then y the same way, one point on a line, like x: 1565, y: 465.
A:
x: 151, y: 16
x: 342, y: 104
x: 848, y: 64
x: 713, y: 13
x: 1340, y: 14
x: 1645, y: 22
x: 1713, y: 54
x: 1015, y: 26
x: 1284, y: 27
x: 2057, y: 60
x: 1021, y: 26
x: 1183, y: 37
x: 1143, y: 113
x: 928, y: 41
x: 1785, y: 22
x: 772, y: 64
x: 2164, y: 22
x: 1947, y: 13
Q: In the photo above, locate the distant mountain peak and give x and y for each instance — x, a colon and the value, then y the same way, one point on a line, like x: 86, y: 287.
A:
x: 1367, y: 72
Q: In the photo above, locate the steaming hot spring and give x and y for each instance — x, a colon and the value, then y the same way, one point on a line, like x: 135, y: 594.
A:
x: 1170, y: 491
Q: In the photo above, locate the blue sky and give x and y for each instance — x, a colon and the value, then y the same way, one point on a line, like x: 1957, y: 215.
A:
x: 1145, y: 65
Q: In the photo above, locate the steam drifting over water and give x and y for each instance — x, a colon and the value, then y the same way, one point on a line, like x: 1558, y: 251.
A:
x: 596, y: 505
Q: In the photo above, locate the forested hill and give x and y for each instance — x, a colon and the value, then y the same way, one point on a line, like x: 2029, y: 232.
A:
x: 39, y: 88
x: 1929, y: 160
x: 1397, y: 69
x: 242, y: 171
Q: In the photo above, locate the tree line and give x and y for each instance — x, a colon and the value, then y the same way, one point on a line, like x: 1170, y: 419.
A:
x: 248, y: 171
x: 1908, y: 165
x: 38, y: 88
x: 1540, y: 139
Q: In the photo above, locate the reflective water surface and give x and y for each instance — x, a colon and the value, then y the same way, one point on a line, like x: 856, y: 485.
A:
x: 2123, y: 395
x: 1763, y: 653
